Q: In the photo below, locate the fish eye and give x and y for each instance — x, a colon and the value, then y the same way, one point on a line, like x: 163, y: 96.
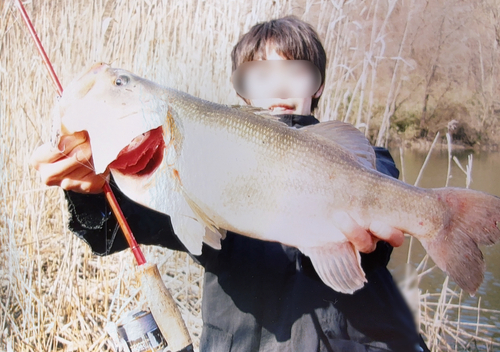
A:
x: 121, y: 80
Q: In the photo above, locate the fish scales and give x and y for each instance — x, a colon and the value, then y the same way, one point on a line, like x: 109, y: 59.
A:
x: 219, y: 168
x: 295, y: 145
x: 291, y: 174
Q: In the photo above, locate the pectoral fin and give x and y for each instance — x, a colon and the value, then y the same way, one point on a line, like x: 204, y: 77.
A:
x: 338, y: 265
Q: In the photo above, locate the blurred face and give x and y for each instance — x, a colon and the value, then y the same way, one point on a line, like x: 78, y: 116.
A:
x: 278, y: 85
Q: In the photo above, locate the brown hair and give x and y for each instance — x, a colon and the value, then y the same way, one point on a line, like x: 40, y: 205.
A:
x: 291, y: 38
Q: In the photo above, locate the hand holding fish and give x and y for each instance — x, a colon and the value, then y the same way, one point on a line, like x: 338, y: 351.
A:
x: 69, y: 166
x: 366, y: 241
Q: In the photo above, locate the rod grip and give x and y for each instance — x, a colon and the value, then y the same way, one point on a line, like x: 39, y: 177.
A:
x: 164, y: 309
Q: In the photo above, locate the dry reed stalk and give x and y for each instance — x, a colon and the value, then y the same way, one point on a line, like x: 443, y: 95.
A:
x: 395, y: 81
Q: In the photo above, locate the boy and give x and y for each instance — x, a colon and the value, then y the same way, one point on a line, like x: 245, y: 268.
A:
x: 258, y: 296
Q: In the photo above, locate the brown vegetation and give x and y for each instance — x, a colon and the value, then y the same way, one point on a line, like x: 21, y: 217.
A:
x: 411, y: 62
x: 396, y: 68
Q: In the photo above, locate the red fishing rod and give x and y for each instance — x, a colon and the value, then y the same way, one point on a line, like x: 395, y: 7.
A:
x: 161, y: 303
x: 136, y: 250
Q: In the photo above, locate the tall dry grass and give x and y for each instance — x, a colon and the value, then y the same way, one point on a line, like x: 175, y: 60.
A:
x: 55, y: 295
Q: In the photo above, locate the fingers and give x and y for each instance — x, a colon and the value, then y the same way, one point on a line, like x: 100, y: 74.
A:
x: 89, y: 183
x: 356, y: 234
x: 69, y: 142
x: 387, y: 233
x: 72, y: 176
x: 52, y: 173
x: 69, y: 166
x: 364, y: 240
x: 44, y: 154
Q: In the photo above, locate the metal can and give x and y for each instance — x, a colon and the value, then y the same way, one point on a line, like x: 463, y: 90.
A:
x: 137, y: 332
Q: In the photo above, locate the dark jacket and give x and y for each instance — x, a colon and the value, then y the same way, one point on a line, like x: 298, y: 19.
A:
x: 265, y: 296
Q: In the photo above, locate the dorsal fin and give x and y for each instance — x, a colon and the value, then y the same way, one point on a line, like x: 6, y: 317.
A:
x: 253, y: 109
x: 257, y: 111
x: 340, y: 132
x: 348, y: 137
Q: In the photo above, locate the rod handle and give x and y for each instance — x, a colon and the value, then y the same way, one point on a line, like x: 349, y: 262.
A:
x: 164, y: 309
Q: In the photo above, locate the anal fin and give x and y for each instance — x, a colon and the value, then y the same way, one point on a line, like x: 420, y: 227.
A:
x: 338, y: 265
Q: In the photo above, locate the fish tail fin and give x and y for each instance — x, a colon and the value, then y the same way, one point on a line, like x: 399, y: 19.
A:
x: 472, y: 219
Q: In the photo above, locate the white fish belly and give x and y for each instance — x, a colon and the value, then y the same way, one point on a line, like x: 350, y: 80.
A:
x: 253, y: 190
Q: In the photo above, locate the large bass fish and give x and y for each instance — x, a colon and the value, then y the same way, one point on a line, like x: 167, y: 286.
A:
x: 214, y: 168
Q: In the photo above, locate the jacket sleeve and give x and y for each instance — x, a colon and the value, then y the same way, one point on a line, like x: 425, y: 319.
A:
x: 385, y: 162
x: 91, y: 220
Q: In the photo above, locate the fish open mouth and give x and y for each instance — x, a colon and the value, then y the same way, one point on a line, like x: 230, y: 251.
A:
x: 142, y: 156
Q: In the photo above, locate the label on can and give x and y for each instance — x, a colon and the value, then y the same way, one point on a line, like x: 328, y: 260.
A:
x: 137, y: 332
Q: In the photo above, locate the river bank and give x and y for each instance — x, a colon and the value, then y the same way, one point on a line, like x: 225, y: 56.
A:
x: 424, y: 145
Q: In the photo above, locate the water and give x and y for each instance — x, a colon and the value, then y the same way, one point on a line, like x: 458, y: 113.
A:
x: 485, y: 177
